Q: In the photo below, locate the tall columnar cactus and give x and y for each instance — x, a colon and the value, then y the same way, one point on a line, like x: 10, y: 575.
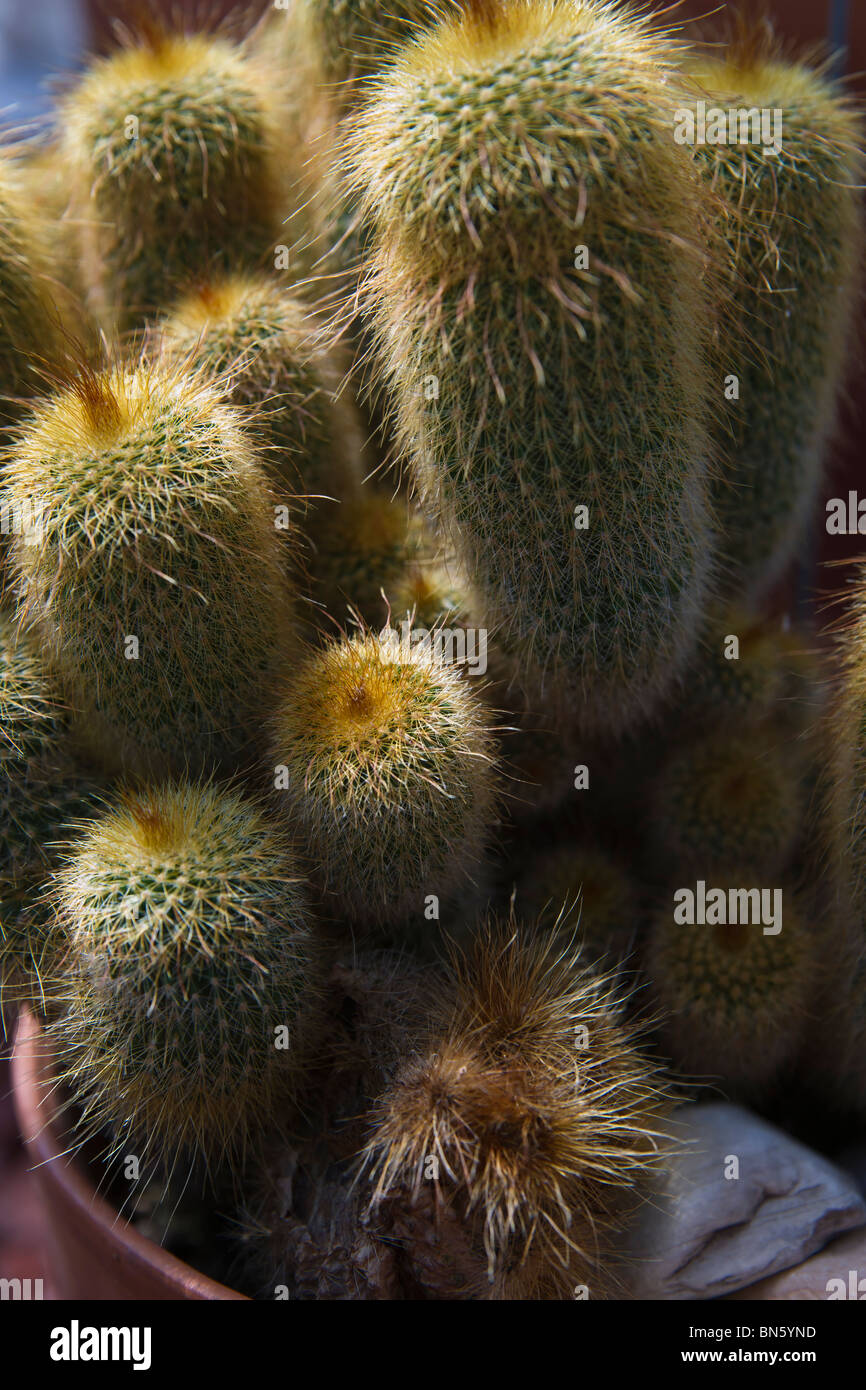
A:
x: 735, y: 997
x: 538, y: 295
x: 794, y: 246
x: 172, y: 147
x: 734, y: 797
x: 384, y: 761
x: 542, y: 1116
x: 157, y: 583
x: 190, y: 979
x: 268, y: 345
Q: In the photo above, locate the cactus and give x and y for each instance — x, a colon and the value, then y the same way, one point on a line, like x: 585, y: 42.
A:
x: 543, y: 1119
x: 29, y: 324
x: 377, y: 545
x: 156, y: 527
x: 742, y: 681
x: 729, y: 798
x: 526, y: 386
x: 187, y: 993
x: 171, y: 142
x: 735, y: 999
x: 353, y: 40
x: 385, y: 763
x: 793, y: 248
x: 270, y: 344
x: 579, y: 883
x: 39, y: 787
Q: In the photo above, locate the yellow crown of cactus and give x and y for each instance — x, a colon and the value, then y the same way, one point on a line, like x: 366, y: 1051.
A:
x: 156, y: 584
x: 385, y: 762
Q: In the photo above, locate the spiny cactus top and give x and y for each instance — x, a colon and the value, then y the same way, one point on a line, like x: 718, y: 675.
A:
x: 157, y: 582
x: 171, y: 144
x: 542, y: 1114
x: 388, y: 770
x: 190, y: 946
x: 272, y: 349
x: 734, y: 996
x: 538, y: 294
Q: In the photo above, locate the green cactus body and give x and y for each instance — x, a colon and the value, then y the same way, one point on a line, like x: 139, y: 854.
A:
x: 793, y: 247
x: 527, y: 387
x: 190, y: 974
x: 377, y: 545
x: 39, y: 787
x: 844, y: 819
x: 157, y: 586
x: 385, y: 763
x: 268, y: 346
x: 171, y: 146
x: 735, y: 1000
x: 580, y: 889
x: 29, y: 337
x: 732, y: 797
x: 42, y: 795
x: 353, y: 39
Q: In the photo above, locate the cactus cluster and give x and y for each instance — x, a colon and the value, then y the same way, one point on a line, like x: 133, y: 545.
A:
x: 271, y: 840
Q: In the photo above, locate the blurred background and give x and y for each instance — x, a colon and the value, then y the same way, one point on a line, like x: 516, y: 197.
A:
x: 42, y: 41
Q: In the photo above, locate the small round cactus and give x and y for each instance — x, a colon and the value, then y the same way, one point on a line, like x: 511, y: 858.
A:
x: 581, y: 889
x: 741, y: 668
x: 157, y: 585
x: 171, y: 144
x: 729, y: 798
x: 384, y: 761
x: 794, y: 246
x: 735, y: 997
x: 375, y: 557
x: 546, y: 344
x: 269, y: 346
x: 505, y: 1150
x: 190, y: 978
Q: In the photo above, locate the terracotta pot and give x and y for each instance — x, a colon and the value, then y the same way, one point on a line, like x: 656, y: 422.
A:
x: 94, y: 1253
